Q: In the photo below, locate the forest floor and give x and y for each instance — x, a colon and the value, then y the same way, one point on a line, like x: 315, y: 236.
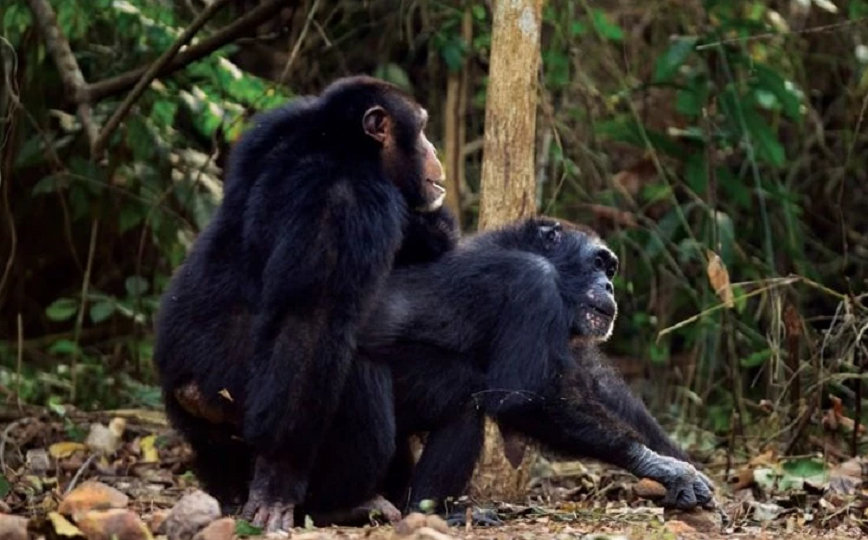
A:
x: 72, y: 475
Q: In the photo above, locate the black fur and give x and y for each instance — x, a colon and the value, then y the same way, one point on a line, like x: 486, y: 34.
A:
x: 487, y: 330
x: 267, y: 305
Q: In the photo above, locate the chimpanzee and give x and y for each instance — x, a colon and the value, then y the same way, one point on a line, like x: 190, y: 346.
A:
x: 506, y: 325
x: 264, y: 314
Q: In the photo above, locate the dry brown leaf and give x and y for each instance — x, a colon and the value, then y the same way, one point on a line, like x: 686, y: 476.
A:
x: 149, y: 451
x: 65, y: 449
x: 62, y: 527
x: 719, y: 278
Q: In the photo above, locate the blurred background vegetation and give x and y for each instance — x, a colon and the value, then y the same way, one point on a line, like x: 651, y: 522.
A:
x: 683, y: 130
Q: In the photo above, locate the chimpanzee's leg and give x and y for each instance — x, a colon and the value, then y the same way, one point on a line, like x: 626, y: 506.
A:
x: 357, y: 451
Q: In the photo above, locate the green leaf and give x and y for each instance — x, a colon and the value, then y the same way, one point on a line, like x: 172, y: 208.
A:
x: 243, y: 528
x: 5, y: 487
x: 63, y: 347
x: 768, y: 80
x: 101, y: 311
x: 799, y: 471
x: 578, y: 29
x: 49, y: 184
x: 696, y: 173
x: 478, y: 12
x: 764, y: 139
x: 755, y: 359
x: 667, y: 65
x: 62, y: 309
x: 605, y: 27
x: 136, y: 285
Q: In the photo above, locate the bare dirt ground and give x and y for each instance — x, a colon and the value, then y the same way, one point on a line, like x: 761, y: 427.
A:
x: 122, y: 474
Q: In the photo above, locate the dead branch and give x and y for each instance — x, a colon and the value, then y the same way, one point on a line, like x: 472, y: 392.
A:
x: 207, y: 14
x: 70, y: 74
x: 115, y: 85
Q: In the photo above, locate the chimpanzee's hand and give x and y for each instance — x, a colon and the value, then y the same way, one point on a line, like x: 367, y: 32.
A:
x: 686, y: 488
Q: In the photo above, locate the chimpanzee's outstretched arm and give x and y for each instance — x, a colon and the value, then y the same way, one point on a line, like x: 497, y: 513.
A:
x: 614, y: 394
x: 574, y: 422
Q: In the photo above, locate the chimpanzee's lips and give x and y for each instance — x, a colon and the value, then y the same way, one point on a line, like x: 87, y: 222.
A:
x: 436, y: 184
x: 605, y: 309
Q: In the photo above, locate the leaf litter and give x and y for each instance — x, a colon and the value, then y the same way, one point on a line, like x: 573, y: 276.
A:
x: 73, y: 475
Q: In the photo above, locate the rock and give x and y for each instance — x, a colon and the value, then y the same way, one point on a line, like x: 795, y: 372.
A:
x: 157, y: 522
x: 649, y: 489
x: 102, y: 439
x: 427, y: 533
x: 13, y: 527
x: 437, y: 523
x: 192, y: 513
x: 92, y: 495
x: 412, y: 522
x: 114, y: 524
x: 678, y: 528
x: 222, y: 529
x: 38, y: 461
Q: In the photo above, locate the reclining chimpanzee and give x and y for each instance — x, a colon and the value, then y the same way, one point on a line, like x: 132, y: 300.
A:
x: 504, y: 325
x: 487, y: 330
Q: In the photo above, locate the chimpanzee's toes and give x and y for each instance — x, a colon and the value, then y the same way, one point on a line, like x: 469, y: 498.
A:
x: 479, y: 518
x: 272, y: 517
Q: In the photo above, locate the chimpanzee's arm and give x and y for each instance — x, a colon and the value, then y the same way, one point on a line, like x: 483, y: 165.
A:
x: 614, y: 394
x: 574, y: 422
x: 427, y: 236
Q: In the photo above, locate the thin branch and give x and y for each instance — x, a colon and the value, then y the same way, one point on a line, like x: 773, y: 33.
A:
x: 79, y: 320
x: 297, y: 46
x: 70, y: 74
x: 152, y: 73
x: 115, y: 85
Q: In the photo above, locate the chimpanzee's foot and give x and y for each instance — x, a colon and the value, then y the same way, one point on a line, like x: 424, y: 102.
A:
x: 377, y: 507
x: 480, y: 517
x: 272, y: 488
x: 686, y: 488
x: 271, y: 517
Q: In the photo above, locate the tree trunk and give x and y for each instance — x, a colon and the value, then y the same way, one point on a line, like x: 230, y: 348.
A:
x: 507, y: 189
x: 507, y: 193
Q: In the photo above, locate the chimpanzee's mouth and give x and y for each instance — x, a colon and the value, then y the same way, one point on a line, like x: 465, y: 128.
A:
x: 437, y: 184
x: 607, y: 311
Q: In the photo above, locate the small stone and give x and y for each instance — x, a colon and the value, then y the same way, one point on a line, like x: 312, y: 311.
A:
x: 102, y: 439
x: 13, y: 527
x: 115, y: 524
x: 157, y: 522
x: 427, y: 533
x: 649, y: 489
x: 678, y: 528
x: 222, y: 529
x: 192, y: 513
x: 410, y: 523
x: 92, y: 495
x: 38, y: 461
x: 437, y: 523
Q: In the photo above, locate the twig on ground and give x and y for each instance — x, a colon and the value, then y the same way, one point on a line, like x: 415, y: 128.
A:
x: 79, y: 472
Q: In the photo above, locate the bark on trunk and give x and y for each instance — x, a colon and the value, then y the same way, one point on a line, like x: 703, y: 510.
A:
x: 507, y: 193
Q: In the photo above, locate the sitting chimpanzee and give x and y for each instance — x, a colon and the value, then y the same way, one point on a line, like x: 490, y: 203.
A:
x: 263, y: 317
x: 506, y: 325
